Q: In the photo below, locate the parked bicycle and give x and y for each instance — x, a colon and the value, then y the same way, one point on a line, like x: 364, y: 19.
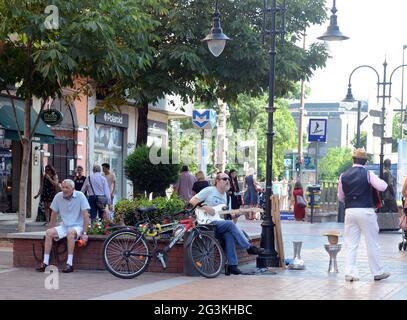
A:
x: 127, y: 253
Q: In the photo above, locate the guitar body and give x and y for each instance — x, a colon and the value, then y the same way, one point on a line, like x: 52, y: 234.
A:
x: 202, y: 217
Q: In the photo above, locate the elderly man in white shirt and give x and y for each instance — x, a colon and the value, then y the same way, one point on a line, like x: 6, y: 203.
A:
x: 73, y: 208
x: 98, y: 193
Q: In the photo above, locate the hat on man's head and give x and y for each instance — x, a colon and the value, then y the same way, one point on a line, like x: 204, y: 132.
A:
x: 359, y: 153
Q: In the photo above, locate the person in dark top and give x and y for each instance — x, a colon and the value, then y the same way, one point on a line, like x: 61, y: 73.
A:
x: 235, y: 197
x: 201, y: 183
x: 389, y: 195
x: 355, y: 190
x: 48, y: 188
x: 79, y: 178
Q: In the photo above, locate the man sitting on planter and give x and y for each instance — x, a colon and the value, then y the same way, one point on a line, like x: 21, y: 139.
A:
x: 73, y: 207
x: 225, y: 229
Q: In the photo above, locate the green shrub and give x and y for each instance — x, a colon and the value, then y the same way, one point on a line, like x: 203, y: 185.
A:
x: 148, y: 177
x: 125, y: 210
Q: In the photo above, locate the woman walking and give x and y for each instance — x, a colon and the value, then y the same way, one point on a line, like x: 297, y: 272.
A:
x: 48, y: 189
x: 299, y: 212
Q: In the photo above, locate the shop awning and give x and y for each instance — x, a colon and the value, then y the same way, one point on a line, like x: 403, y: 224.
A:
x: 43, y: 134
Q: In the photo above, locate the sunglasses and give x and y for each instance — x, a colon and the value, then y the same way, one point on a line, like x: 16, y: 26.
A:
x: 224, y: 179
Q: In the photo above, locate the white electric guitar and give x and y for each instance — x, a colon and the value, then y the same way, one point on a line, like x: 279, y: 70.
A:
x: 202, y: 217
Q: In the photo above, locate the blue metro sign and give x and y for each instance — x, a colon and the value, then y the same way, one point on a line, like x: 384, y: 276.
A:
x: 204, y: 118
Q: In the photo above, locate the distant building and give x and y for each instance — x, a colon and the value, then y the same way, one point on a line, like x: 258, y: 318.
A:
x: 341, y: 128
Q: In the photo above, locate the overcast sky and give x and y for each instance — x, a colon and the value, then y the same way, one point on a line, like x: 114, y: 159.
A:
x: 377, y: 30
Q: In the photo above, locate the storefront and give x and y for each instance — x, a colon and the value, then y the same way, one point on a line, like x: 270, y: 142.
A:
x: 5, y: 175
x: 11, y: 153
x: 109, y: 139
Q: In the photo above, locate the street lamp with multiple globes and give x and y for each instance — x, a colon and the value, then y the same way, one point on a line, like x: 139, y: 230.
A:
x: 384, y: 83
x: 216, y: 39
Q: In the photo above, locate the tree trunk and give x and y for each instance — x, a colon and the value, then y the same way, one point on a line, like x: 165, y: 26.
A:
x: 142, y: 124
x: 22, y: 200
x: 25, y: 166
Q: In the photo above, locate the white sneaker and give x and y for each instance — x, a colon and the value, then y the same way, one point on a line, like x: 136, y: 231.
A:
x: 351, y: 278
x: 382, y: 276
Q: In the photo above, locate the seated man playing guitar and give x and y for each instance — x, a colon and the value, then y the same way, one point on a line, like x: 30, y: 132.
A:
x: 225, y: 229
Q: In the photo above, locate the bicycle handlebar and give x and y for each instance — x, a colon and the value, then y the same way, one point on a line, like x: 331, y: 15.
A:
x: 190, y: 211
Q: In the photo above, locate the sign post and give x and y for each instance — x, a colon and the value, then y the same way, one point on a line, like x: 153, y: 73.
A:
x: 203, y: 119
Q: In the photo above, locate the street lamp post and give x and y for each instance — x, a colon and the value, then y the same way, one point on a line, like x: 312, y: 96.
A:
x: 216, y: 39
x: 384, y: 83
x: 350, y: 99
x: 269, y: 257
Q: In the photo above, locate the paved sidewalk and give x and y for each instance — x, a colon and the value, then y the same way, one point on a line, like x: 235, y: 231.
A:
x: 312, y: 283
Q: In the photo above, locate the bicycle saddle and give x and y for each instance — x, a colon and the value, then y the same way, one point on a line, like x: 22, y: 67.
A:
x: 147, y: 209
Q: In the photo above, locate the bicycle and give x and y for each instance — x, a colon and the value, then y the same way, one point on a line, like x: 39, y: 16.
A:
x: 127, y: 253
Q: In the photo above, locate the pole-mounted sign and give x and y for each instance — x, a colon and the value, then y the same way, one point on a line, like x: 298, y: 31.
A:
x: 317, y: 130
x: 52, y: 117
x: 204, y: 118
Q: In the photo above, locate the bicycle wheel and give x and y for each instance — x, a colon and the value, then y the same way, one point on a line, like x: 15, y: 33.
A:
x: 206, y: 255
x: 126, y: 254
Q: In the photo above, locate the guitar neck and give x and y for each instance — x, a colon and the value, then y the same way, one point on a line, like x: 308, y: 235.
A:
x: 239, y: 211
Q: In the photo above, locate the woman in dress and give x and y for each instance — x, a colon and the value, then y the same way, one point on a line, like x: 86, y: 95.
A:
x: 299, y: 212
x: 251, y: 196
x: 235, y: 197
x: 48, y: 188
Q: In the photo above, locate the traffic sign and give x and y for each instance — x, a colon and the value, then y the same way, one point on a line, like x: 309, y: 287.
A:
x: 375, y: 113
x: 388, y: 140
x: 317, y: 130
x: 377, y: 130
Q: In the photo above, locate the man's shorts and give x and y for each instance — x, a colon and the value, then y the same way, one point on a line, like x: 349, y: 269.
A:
x: 63, y: 231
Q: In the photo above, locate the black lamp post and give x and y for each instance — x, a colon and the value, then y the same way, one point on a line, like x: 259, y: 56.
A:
x: 385, y: 94
x: 269, y: 257
x: 350, y: 99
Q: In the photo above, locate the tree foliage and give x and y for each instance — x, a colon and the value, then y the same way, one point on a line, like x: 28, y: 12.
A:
x: 336, y: 161
x: 183, y: 65
x: 146, y: 176
x: 99, y: 40
x: 249, y: 113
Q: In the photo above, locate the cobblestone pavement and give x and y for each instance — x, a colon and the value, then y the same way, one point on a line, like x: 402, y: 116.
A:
x: 312, y: 283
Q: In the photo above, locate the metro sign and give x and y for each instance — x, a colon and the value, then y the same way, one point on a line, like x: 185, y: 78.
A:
x: 204, y: 118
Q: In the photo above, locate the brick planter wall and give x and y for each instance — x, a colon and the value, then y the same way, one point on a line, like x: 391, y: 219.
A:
x: 28, y: 253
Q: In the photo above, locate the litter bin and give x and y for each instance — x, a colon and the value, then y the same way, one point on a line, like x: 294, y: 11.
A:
x: 314, y: 198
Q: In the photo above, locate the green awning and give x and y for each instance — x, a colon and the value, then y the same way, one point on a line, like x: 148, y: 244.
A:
x: 43, y: 134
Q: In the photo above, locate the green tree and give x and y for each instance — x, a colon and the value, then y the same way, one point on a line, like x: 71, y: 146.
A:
x: 99, y: 40
x: 183, y: 65
x: 149, y: 177
x: 249, y: 113
x: 363, y: 140
x: 336, y: 161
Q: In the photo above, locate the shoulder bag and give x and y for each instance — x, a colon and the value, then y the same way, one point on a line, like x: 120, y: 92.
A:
x: 377, y: 200
x: 300, y: 201
x: 101, y: 200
